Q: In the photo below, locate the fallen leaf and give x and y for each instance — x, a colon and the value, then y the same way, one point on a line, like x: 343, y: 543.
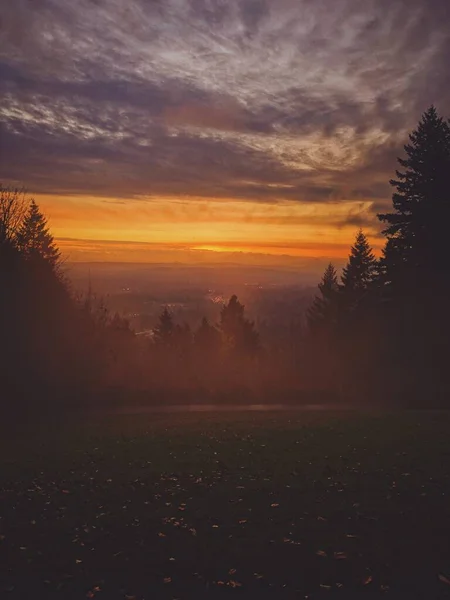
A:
x: 444, y: 579
x: 321, y: 553
x: 167, y: 580
x: 368, y: 580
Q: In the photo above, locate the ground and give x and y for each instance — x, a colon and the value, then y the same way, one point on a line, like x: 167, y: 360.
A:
x: 270, y: 505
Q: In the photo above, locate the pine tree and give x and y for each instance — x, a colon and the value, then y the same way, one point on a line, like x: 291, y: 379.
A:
x: 34, y: 239
x: 417, y: 230
x: 207, y: 338
x: 359, y: 273
x: 238, y: 332
x: 324, y: 310
x: 414, y: 266
x: 164, y: 331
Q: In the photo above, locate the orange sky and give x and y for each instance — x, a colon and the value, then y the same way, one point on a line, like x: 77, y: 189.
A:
x: 165, y: 229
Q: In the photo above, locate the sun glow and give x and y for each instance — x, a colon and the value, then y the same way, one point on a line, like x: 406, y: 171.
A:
x: 145, y: 227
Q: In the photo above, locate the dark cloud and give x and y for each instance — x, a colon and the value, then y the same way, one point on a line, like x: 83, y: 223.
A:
x: 298, y: 100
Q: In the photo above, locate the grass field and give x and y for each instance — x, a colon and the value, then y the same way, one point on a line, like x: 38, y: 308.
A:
x: 270, y: 505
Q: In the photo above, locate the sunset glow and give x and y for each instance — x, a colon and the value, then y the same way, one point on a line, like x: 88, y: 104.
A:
x: 244, y: 127
x: 218, y: 225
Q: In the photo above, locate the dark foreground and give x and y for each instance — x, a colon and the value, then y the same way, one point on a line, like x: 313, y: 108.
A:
x: 277, y: 505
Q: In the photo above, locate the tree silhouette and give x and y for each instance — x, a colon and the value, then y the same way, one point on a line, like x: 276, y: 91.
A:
x: 207, y: 338
x: 13, y: 207
x: 323, y: 312
x: 417, y: 230
x: 34, y: 239
x: 239, y: 333
x: 414, y: 267
x: 359, y: 272
x: 164, y: 331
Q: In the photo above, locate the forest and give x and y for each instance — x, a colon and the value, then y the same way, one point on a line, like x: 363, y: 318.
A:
x: 376, y: 335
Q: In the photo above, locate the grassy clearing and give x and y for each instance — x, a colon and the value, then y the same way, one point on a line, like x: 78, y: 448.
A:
x: 282, y: 505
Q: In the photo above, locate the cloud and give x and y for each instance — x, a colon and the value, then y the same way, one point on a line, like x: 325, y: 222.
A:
x: 250, y: 99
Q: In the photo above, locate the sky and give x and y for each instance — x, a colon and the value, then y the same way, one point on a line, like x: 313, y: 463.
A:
x: 250, y: 127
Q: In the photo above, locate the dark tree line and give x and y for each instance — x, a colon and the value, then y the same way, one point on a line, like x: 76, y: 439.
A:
x: 212, y: 358
x: 53, y: 344
x: 386, y: 323
x: 59, y: 347
x: 378, y: 333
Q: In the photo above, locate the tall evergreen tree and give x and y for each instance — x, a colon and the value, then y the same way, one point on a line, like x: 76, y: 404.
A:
x: 164, y: 331
x: 238, y: 332
x: 207, y: 338
x: 324, y: 310
x: 414, y: 266
x: 417, y: 230
x: 34, y: 239
x: 358, y: 274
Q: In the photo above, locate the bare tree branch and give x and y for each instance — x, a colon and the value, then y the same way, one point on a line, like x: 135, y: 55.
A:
x: 13, y: 206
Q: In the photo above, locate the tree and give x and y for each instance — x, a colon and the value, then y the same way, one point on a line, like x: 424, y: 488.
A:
x: 414, y: 266
x: 238, y: 332
x: 359, y: 273
x: 323, y: 313
x: 164, y: 331
x: 417, y: 230
x: 34, y: 239
x: 207, y: 339
x: 13, y: 207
